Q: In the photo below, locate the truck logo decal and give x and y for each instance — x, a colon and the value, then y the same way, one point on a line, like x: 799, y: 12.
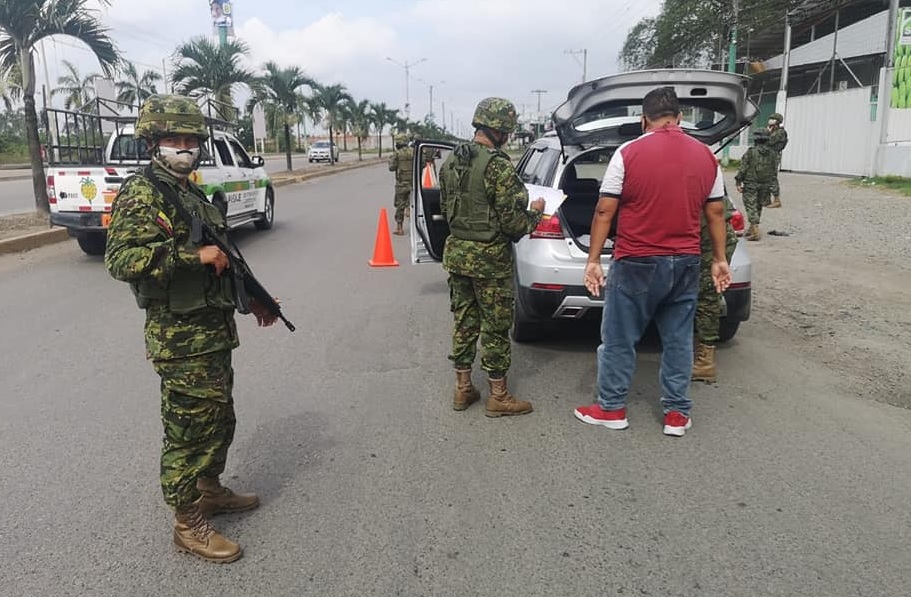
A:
x: 88, y: 188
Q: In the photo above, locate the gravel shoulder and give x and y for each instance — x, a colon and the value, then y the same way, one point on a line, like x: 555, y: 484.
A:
x: 840, y: 281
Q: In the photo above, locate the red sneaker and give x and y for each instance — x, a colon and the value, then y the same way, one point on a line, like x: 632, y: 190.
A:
x: 595, y: 415
x: 676, y: 424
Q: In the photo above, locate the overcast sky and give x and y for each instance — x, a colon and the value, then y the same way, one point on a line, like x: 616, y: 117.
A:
x: 473, y: 48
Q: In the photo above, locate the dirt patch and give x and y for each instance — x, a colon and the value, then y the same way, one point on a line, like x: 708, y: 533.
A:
x: 840, y: 281
x: 22, y: 224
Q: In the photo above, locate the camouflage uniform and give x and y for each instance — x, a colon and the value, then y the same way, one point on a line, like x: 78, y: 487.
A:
x: 757, y: 174
x: 708, y: 305
x: 778, y: 139
x: 481, y: 272
x: 402, y: 163
x: 148, y: 244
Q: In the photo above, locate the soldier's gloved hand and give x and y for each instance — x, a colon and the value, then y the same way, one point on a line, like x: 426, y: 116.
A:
x: 212, y: 255
x: 538, y: 204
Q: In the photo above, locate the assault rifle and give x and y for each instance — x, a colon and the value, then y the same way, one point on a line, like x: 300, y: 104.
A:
x: 246, y: 287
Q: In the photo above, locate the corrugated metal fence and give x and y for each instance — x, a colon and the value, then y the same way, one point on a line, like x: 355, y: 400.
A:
x: 830, y: 133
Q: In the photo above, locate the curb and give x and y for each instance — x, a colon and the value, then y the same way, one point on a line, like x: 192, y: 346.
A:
x: 27, y: 242
x: 297, y: 178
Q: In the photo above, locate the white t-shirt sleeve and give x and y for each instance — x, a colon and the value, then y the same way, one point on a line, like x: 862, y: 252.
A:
x: 718, y: 187
x: 613, y: 177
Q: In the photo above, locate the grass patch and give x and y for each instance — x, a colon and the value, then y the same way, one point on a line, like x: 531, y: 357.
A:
x: 893, y: 183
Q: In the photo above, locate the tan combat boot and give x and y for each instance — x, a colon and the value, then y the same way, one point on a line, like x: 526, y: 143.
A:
x: 218, y: 499
x: 753, y: 232
x: 704, y: 364
x: 465, y: 392
x: 775, y: 203
x: 193, y: 534
x: 503, y: 404
x: 399, y: 231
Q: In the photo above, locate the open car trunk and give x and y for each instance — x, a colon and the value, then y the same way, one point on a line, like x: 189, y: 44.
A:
x: 581, y: 184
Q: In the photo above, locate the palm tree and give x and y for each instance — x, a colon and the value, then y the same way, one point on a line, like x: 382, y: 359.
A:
x: 361, y: 119
x: 382, y: 116
x: 134, y: 89
x: 78, y: 90
x: 11, y: 88
x: 204, y: 66
x: 279, y: 87
x: 23, y: 24
x: 328, y: 101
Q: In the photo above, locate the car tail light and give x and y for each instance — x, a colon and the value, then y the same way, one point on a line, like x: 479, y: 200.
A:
x: 550, y: 287
x: 737, y: 222
x: 51, y: 190
x: 549, y: 227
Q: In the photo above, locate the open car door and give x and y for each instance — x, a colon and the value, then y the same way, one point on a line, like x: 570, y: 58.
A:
x: 428, y: 228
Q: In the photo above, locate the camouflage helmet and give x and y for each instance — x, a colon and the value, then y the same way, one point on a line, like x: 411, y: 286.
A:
x: 495, y: 113
x: 169, y: 115
x: 777, y: 117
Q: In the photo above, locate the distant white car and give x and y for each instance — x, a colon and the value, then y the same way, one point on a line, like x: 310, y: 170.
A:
x: 567, y: 167
x: 319, y: 152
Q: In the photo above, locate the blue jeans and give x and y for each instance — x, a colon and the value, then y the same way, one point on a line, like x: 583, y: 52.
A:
x: 638, y: 290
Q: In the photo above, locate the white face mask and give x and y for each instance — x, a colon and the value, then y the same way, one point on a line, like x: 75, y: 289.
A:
x: 773, y: 122
x: 181, y: 161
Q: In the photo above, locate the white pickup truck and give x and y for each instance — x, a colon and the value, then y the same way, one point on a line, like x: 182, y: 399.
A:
x: 83, y: 182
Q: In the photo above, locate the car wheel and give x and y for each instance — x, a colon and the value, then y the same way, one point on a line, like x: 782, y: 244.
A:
x: 727, y: 329
x: 310, y: 160
x: 265, y: 222
x: 92, y: 243
x: 524, y: 328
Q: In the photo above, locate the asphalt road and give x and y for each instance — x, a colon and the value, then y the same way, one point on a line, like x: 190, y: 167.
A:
x: 371, y: 485
x: 16, y: 187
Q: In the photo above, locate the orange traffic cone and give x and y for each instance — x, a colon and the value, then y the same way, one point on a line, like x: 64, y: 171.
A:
x: 427, y: 177
x: 382, y: 250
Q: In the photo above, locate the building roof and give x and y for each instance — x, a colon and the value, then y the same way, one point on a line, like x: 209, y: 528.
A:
x: 863, y: 38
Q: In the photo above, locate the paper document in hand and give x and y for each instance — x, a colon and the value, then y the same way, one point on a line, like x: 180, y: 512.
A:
x: 553, y: 198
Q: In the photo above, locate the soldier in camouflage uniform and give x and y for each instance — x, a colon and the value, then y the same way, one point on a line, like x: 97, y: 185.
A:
x: 755, y: 179
x: 189, y: 328
x: 485, y: 204
x: 402, y: 163
x: 708, y: 304
x: 778, y: 139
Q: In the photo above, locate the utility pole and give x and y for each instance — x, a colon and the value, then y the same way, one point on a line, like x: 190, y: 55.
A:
x: 732, y: 67
x: 407, y: 66
x: 584, y: 63
x: 538, y: 116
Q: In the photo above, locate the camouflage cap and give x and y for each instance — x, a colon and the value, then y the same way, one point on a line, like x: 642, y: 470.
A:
x: 496, y: 113
x: 777, y: 116
x: 169, y: 115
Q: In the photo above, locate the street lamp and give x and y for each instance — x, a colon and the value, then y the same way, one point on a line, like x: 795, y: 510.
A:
x: 407, y: 66
x: 431, y: 85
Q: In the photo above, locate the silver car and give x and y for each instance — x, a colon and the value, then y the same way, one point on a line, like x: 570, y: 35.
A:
x: 566, y: 167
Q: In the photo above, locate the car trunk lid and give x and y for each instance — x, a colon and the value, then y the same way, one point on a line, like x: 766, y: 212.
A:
x: 607, y: 111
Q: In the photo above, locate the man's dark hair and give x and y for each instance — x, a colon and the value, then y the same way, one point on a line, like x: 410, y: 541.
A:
x: 660, y: 102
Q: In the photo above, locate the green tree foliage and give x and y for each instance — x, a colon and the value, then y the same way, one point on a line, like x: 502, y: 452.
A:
x: 279, y: 90
x: 134, y: 88
x: 695, y: 33
x: 204, y: 66
x: 77, y: 89
x: 327, y: 101
x: 23, y: 24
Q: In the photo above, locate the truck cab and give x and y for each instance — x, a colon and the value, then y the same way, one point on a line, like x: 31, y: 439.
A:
x: 83, y: 178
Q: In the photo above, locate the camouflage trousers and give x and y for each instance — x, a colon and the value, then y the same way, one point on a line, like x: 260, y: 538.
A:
x: 197, y: 412
x: 482, y: 308
x: 775, y: 187
x: 755, y: 196
x: 708, y: 305
x: 402, y: 198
